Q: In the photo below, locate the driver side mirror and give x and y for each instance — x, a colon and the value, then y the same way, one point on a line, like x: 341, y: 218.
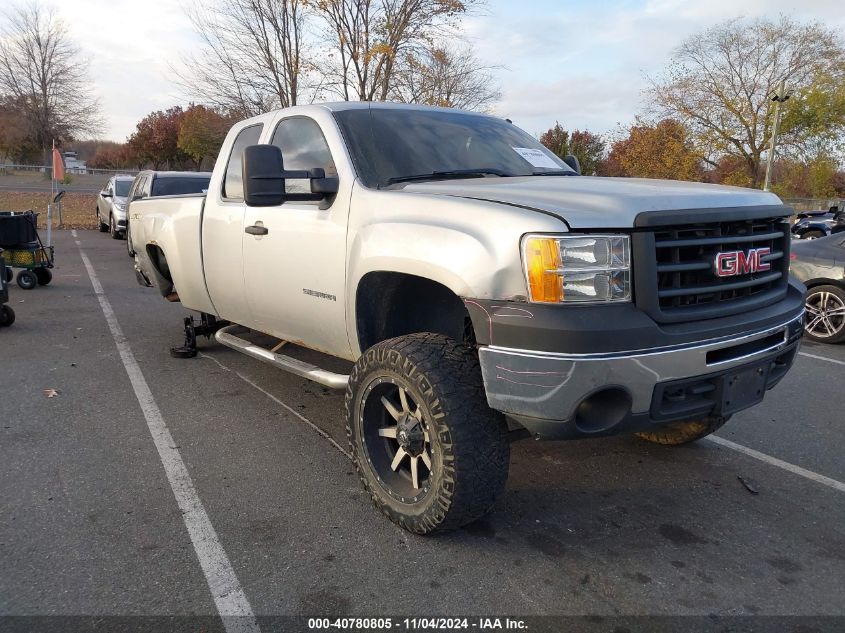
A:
x: 573, y: 162
x: 264, y: 176
x: 105, y: 194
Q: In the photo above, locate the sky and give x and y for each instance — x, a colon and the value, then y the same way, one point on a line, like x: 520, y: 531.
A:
x: 578, y: 62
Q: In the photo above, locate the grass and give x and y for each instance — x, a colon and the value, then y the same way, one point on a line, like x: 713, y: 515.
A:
x: 77, y: 208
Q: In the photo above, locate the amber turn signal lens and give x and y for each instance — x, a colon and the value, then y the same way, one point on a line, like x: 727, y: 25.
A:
x: 542, y: 261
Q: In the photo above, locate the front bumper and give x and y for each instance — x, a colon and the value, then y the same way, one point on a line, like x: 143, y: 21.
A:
x: 560, y: 396
x: 119, y: 218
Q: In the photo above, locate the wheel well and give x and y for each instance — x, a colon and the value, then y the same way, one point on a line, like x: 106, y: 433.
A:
x: 160, y: 269
x: 389, y: 304
x: 814, y: 283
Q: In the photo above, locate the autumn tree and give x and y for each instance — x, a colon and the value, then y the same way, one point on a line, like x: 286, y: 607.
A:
x: 587, y: 147
x: 447, y: 76
x: 111, y: 156
x: 663, y: 150
x: 156, y: 139
x: 370, y: 39
x: 44, y: 73
x: 252, y: 55
x: 720, y: 83
x: 202, y: 131
x: 556, y: 139
x: 17, y: 142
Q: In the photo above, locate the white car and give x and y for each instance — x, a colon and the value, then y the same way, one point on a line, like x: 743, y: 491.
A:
x: 111, y: 206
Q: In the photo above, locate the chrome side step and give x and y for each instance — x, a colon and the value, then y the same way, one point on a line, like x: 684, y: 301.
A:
x: 225, y: 337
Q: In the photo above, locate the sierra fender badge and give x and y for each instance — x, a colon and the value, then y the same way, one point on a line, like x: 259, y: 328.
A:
x: 730, y: 263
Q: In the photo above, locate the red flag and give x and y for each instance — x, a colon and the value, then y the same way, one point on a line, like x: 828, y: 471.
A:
x: 58, y: 166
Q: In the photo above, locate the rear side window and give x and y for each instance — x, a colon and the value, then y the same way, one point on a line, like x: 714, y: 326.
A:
x: 233, y: 186
x: 174, y: 186
x: 303, y: 147
x: 137, y: 187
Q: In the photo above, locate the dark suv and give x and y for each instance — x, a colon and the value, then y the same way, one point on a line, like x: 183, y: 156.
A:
x: 153, y: 184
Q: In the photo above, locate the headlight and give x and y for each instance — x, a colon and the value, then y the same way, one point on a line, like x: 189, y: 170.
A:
x: 577, y: 268
x: 119, y: 206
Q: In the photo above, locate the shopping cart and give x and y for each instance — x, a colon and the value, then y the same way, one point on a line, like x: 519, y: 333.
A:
x: 23, y: 248
x: 7, y: 315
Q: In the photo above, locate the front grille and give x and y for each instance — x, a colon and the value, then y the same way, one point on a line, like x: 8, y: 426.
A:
x: 682, y: 265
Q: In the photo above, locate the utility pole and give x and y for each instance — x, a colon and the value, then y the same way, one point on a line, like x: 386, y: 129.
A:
x: 780, y: 97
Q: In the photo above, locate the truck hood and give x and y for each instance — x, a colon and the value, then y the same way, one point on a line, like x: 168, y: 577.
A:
x: 587, y: 202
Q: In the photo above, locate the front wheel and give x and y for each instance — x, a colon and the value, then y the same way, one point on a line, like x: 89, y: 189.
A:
x: 428, y: 449
x: 7, y: 316
x: 27, y: 280
x: 100, y: 224
x: 825, y: 316
x: 813, y: 235
x: 679, y: 433
x: 115, y: 234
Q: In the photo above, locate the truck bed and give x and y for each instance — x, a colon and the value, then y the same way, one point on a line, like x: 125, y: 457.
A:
x: 175, y: 222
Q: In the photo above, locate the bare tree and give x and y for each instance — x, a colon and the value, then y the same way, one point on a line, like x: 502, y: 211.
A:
x: 43, y: 72
x: 252, y: 59
x: 720, y: 83
x: 370, y: 38
x: 445, y: 76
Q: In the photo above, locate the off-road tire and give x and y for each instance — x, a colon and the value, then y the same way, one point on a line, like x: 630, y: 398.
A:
x: 470, y: 451
x: 679, y: 433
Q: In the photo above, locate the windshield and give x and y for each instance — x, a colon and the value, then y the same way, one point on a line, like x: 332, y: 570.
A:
x: 390, y: 145
x: 174, y: 186
x: 121, y: 188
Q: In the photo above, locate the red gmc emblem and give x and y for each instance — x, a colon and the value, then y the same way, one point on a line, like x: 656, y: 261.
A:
x: 732, y: 263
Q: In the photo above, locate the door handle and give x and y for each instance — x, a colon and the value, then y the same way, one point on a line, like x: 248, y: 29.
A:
x: 255, y: 229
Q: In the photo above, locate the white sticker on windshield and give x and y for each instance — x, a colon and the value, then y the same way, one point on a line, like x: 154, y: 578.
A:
x: 536, y: 157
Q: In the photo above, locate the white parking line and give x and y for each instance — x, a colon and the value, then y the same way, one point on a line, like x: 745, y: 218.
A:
x: 830, y: 360
x: 779, y: 463
x: 229, y: 597
x: 319, y: 431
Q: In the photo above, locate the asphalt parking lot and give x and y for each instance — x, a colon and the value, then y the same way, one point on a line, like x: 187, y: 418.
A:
x: 90, y: 526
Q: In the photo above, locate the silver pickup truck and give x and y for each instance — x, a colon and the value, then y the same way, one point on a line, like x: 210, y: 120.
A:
x: 483, y: 289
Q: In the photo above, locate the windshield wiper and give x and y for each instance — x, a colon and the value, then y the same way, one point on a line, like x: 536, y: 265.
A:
x: 452, y: 173
x: 556, y: 172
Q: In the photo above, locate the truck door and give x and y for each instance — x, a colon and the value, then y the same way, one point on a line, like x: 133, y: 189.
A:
x: 294, y: 273
x: 222, y: 231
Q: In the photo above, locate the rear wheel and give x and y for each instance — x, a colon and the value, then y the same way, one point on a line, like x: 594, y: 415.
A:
x: 7, y: 316
x: 824, y: 320
x: 27, y: 279
x: 43, y: 275
x: 685, y: 432
x: 427, y: 447
x: 129, y: 240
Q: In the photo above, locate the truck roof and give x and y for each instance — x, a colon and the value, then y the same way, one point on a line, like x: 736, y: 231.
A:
x: 341, y: 106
